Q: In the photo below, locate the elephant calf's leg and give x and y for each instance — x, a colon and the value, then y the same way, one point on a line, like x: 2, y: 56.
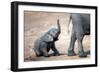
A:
x: 45, y: 53
x: 71, y: 46
x: 43, y: 49
x: 37, y: 52
x: 56, y: 52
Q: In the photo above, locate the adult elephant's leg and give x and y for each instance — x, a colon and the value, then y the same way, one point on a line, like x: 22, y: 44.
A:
x: 80, y: 46
x: 71, y: 46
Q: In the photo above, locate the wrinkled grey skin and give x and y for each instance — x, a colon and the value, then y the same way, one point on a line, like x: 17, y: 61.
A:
x: 43, y: 45
x: 81, y: 27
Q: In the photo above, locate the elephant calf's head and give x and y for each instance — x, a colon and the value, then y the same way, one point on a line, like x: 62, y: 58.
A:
x: 52, y: 34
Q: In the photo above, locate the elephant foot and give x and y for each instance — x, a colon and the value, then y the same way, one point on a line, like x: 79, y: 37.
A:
x: 56, y: 54
x: 46, y: 55
x: 82, y: 54
x: 88, y: 52
x: 71, y: 53
x: 38, y: 55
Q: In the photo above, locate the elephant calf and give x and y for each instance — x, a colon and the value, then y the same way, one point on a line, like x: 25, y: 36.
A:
x: 43, y: 45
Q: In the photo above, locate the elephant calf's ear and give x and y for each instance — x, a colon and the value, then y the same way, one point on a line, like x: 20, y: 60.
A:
x: 48, y: 38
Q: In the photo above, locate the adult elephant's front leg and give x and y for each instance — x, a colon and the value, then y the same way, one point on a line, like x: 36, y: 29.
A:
x: 71, y: 46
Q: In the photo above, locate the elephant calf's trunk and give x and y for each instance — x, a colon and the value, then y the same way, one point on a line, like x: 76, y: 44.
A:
x: 58, y: 26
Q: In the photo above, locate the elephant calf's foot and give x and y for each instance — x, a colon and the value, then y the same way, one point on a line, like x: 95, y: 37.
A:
x: 82, y: 54
x: 46, y: 55
x: 56, y: 54
x: 71, y: 53
x: 38, y: 55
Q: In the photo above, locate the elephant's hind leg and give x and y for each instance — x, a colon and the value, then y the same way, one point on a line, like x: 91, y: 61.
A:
x: 43, y: 49
x: 80, y: 46
x: 37, y: 52
x: 45, y: 53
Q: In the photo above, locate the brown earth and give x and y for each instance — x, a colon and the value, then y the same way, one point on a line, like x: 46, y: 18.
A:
x: 37, y: 23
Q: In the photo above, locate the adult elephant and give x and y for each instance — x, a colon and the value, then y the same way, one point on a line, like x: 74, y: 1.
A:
x: 46, y: 42
x: 81, y: 27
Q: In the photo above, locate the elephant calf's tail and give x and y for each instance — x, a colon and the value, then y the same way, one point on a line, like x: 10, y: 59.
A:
x: 59, y: 28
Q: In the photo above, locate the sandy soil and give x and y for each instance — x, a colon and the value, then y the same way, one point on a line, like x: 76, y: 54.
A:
x: 37, y: 23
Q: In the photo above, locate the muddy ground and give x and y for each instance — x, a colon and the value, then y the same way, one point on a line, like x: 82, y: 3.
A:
x: 37, y: 23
